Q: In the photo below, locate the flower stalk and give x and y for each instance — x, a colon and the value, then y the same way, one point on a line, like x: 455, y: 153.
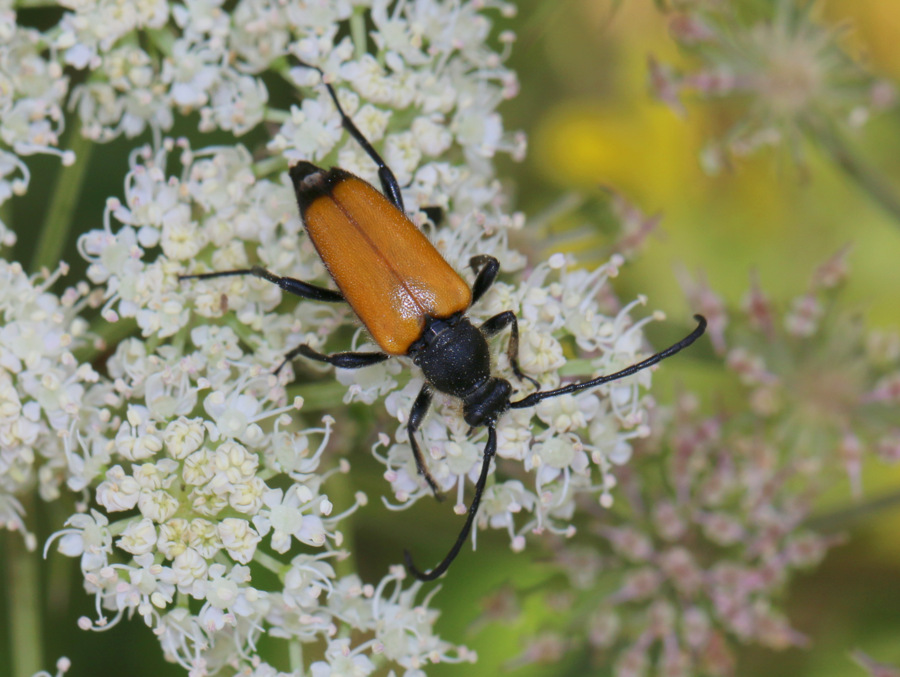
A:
x: 872, y: 183
x: 69, y: 186
x: 25, y: 606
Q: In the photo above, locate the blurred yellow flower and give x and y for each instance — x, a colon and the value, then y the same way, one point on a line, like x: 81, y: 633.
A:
x: 643, y: 150
x: 876, y: 26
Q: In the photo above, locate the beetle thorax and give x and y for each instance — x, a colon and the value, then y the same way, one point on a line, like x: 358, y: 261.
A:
x: 453, y: 355
x: 455, y: 359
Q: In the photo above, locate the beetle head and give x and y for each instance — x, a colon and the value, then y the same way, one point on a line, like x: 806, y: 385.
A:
x: 485, y: 405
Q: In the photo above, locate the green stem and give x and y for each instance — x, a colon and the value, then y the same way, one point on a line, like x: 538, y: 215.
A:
x: 152, y: 343
x: 871, y: 182
x: 25, y: 638
x: 277, y: 116
x: 845, y: 517
x: 272, y: 165
x: 242, y: 331
x: 5, y: 218
x: 118, y: 527
x: 69, y: 182
x: 295, y: 651
x: 320, y: 395
x: 340, y: 493
x: 268, y: 562
x: 163, y: 39
x: 358, y: 32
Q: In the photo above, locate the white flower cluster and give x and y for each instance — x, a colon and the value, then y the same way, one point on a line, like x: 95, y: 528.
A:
x: 42, y: 389
x: 553, y: 444
x: 185, y: 446
x: 199, y: 480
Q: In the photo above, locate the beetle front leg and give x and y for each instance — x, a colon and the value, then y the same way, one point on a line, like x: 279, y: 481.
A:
x: 416, y: 417
x: 350, y: 360
x: 289, y: 284
x: 486, y: 267
x: 498, y: 323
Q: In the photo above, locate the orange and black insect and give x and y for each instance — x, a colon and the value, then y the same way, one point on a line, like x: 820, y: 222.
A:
x: 413, y: 304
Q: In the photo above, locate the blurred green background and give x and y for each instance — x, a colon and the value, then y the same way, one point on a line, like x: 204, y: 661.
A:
x: 591, y: 124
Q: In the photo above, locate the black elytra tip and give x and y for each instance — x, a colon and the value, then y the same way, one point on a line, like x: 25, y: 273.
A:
x: 303, y: 169
x: 312, y: 182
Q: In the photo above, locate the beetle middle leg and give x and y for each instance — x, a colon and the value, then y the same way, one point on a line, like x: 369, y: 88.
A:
x: 289, y: 284
x: 498, y: 323
x: 416, y: 417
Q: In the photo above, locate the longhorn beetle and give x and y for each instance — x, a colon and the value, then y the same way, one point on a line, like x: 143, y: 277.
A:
x: 413, y: 304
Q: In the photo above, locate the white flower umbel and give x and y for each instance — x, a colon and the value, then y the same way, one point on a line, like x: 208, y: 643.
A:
x: 46, y: 397
x: 207, y: 509
x: 557, y: 440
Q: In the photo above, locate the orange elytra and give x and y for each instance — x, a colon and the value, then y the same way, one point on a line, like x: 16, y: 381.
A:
x: 355, y: 228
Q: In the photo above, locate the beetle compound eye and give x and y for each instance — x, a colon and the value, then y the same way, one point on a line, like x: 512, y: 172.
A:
x: 412, y: 303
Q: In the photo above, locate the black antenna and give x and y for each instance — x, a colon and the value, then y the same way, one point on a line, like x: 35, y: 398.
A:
x: 491, y: 447
x: 489, y: 450
x: 534, y: 398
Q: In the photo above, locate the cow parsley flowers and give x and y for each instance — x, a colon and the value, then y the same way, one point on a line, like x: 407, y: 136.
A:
x: 43, y: 388
x: 210, y: 503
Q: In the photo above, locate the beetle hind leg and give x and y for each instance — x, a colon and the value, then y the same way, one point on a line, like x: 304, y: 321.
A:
x: 389, y: 183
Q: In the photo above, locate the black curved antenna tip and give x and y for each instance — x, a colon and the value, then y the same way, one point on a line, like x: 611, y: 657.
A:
x: 701, y: 320
x: 416, y: 573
